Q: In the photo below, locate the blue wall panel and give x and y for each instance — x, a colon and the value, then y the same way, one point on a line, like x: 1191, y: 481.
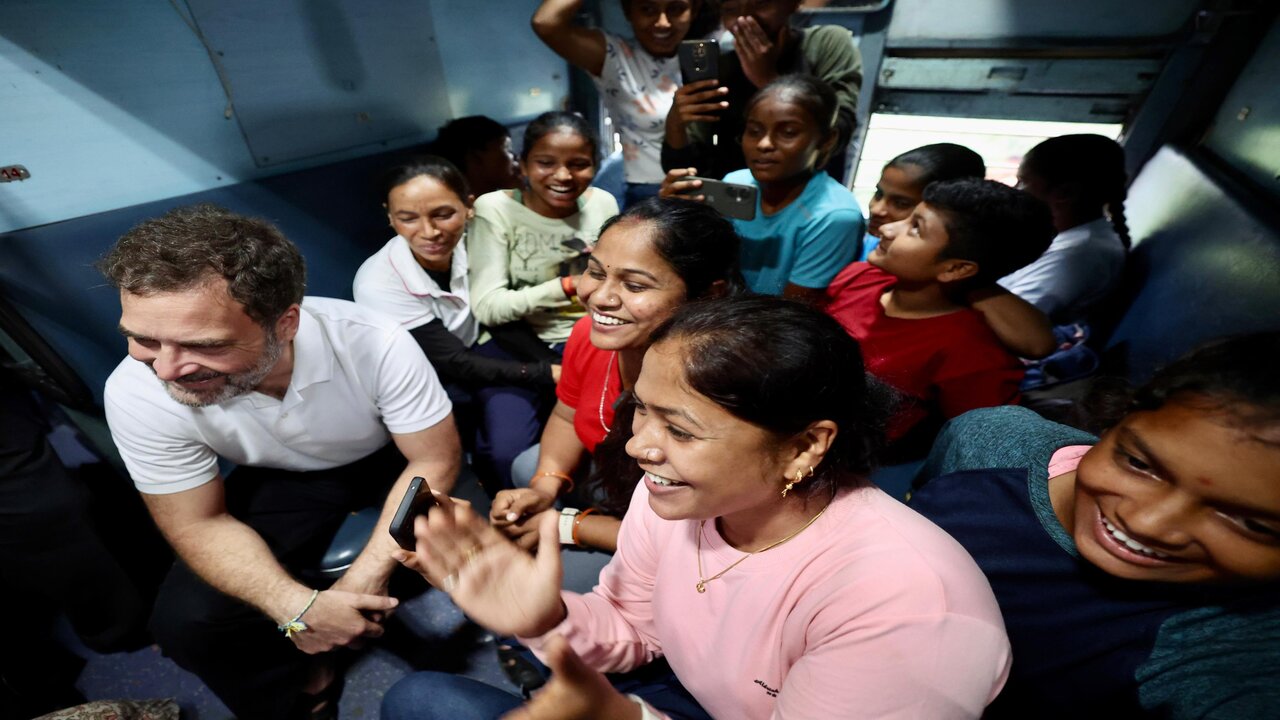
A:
x: 321, y: 76
x: 494, y: 64
x: 1246, y: 131
x: 1202, y: 266
x: 108, y: 105
x: 115, y: 104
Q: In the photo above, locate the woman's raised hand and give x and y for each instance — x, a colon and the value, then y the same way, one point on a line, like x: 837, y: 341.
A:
x: 494, y: 582
x: 757, y: 52
x: 678, y: 184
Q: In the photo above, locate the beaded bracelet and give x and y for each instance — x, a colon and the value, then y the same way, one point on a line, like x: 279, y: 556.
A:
x: 568, y: 485
x: 577, y: 520
x: 294, y: 626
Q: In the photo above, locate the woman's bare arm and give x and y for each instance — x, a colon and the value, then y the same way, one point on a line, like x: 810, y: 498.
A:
x: 583, y: 47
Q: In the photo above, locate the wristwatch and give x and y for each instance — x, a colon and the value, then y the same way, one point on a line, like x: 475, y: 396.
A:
x: 567, y: 516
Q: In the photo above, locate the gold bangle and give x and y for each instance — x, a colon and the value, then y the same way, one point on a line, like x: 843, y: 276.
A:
x: 563, y: 476
x: 577, y: 520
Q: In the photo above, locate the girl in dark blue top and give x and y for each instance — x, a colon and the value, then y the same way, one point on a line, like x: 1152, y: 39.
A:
x: 1138, y: 573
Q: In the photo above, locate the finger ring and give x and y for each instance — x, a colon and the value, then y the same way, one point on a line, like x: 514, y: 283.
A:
x: 472, y: 553
x: 449, y: 583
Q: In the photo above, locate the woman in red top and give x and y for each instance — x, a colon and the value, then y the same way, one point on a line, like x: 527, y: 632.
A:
x: 649, y: 260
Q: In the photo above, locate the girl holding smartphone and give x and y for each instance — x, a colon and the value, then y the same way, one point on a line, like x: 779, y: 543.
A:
x: 807, y: 225
x: 636, y: 77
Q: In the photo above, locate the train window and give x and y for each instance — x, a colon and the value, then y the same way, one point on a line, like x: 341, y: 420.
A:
x: 1000, y: 142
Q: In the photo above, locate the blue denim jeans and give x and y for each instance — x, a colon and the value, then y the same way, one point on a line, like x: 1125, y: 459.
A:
x: 511, y: 420
x: 433, y: 695
x: 427, y: 695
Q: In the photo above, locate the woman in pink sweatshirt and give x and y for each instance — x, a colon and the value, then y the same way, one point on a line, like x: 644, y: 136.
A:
x: 755, y: 557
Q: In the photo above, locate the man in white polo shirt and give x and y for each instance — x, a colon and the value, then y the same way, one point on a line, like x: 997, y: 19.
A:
x: 311, y: 399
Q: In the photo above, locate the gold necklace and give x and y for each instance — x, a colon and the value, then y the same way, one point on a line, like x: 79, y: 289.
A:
x: 702, y: 581
x: 605, y: 390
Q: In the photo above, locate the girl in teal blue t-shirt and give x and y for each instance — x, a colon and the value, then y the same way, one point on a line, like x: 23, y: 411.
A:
x: 807, y: 226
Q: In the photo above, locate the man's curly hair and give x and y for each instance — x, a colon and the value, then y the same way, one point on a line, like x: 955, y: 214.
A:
x: 188, y: 246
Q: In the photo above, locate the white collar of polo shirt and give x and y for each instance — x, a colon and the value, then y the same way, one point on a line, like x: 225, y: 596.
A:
x: 312, y: 362
x: 416, y: 280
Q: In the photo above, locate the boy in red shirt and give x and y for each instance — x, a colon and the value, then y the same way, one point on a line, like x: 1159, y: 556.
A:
x: 905, y: 305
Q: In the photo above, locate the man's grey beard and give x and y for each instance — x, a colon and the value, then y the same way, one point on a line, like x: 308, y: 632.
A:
x: 236, y: 384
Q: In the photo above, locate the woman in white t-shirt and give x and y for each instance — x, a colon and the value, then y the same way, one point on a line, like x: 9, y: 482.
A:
x: 1082, y: 179
x: 419, y: 278
x: 636, y: 77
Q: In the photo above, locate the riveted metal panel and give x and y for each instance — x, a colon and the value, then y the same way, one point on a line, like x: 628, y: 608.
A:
x: 1029, y: 75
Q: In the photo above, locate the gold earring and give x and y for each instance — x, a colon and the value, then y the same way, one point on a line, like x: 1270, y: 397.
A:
x: 792, y: 483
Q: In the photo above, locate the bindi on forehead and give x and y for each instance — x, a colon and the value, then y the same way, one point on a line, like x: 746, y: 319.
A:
x: 1204, y: 481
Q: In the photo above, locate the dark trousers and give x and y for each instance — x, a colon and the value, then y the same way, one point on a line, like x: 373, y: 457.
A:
x: 52, y: 561
x: 511, y: 420
x: 233, y: 647
x: 439, y: 696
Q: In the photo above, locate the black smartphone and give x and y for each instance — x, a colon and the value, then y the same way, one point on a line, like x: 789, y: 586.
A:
x: 576, y: 264
x: 699, y: 60
x: 730, y: 199
x: 414, y: 503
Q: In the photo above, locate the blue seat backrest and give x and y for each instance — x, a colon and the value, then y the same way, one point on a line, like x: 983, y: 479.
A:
x: 1203, y: 265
